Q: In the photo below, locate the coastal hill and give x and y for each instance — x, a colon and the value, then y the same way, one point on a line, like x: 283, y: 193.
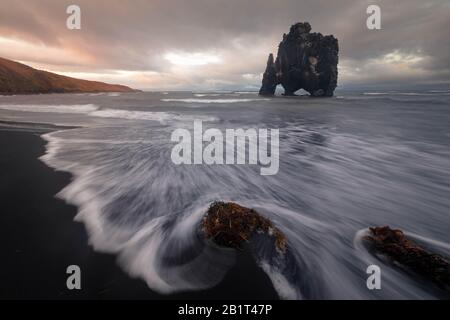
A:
x: 17, y: 78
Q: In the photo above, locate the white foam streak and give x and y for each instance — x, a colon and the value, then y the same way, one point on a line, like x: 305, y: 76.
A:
x: 191, y: 100
x: 132, y: 115
x: 285, y: 290
x: 75, y: 109
x: 92, y: 110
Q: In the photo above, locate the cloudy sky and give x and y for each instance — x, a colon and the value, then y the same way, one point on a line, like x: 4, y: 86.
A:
x: 223, y: 44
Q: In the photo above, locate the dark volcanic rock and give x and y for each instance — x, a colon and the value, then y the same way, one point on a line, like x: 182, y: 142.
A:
x: 395, y: 245
x: 306, y: 61
x: 269, y: 83
x: 231, y: 225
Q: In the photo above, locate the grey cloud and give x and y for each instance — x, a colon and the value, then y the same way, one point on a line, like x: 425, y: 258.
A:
x: 134, y: 35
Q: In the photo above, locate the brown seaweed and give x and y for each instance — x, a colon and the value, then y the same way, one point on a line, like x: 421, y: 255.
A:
x: 394, y: 244
x: 231, y: 225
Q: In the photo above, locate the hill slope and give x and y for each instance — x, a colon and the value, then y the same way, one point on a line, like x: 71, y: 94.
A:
x: 17, y: 78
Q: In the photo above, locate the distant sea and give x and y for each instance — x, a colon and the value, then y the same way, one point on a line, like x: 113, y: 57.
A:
x: 347, y: 163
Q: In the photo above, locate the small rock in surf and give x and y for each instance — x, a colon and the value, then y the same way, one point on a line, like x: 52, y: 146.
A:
x: 231, y: 225
x: 394, y: 244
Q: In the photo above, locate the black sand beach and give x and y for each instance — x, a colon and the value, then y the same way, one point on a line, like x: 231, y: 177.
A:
x: 40, y: 239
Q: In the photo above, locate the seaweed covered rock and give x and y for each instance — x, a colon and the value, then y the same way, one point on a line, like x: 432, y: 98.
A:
x: 394, y: 244
x: 306, y: 61
x: 231, y: 225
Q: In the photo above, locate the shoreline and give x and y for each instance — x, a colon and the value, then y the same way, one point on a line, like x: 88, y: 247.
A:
x: 41, y: 238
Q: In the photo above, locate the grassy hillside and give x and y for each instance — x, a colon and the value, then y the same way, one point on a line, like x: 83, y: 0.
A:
x: 17, y: 78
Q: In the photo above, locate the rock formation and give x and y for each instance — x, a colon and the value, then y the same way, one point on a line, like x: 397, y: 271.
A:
x: 306, y: 61
x: 394, y: 244
x: 231, y: 225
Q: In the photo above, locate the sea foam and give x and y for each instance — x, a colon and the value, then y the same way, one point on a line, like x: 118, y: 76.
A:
x: 191, y: 100
x: 77, y: 108
x: 93, y: 110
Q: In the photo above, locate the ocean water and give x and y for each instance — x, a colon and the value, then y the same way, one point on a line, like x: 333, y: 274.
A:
x: 360, y: 159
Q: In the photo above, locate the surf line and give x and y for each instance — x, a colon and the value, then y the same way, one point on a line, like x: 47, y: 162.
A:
x: 260, y: 151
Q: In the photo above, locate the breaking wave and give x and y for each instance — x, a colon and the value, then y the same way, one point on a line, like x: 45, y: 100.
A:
x: 92, y: 110
x: 162, y: 117
x: 76, y: 109
x: 191, y: 100
x: 394, y: 93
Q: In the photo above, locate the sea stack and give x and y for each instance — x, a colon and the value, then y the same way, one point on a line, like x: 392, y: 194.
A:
x: 306, y: 61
